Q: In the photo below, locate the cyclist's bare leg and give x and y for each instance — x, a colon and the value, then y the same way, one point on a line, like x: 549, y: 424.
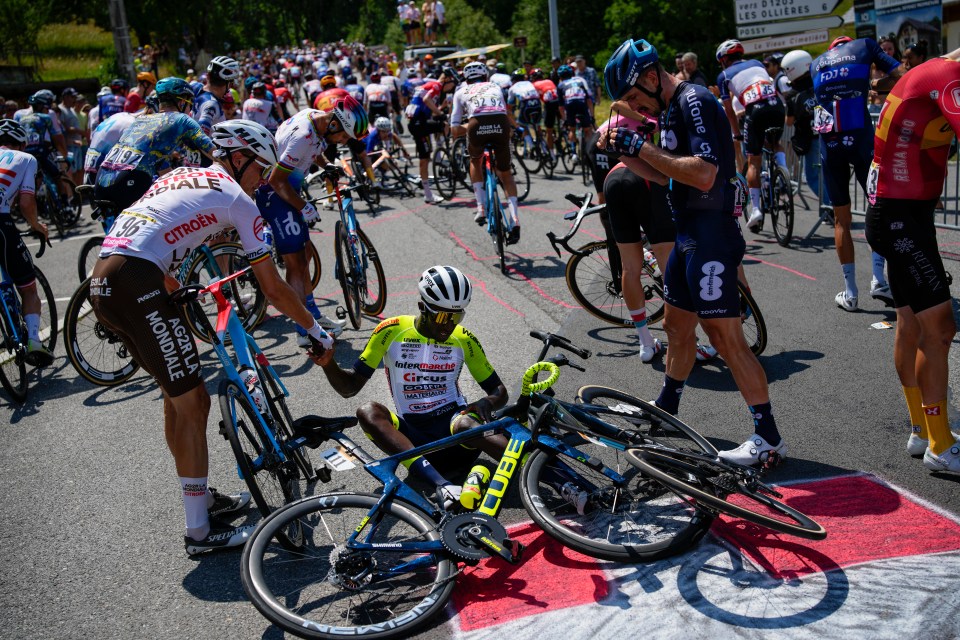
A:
x: 29, y: 299
x: 680, y: 326
x: 753, y: 175
x: 510, y: 186
x: 906, y: 344
x: 841, y: 233
x: 493, y: 445
x: 726, y: 336
x: 185, y: 428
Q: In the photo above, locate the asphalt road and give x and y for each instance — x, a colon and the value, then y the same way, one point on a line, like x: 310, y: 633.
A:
x: 92, y: 545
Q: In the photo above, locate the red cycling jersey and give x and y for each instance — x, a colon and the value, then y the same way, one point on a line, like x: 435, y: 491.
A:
x: 546, y: 89
x: 917, y: 125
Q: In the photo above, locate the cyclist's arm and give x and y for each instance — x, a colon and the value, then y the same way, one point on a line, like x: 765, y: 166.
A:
x: 346, y: 382
x: 644, y: 170
x: 28, y: 207
x: 280, y: 294
x: 60, y: 143
x: 484, y: 407
x: 428, y: 101
x: 732, y: 117
x: 689, y: 170
x: 281, y: 184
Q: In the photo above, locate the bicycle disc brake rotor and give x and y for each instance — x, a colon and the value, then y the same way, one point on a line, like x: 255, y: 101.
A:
x: 352, y: 570
x: 458, y: 533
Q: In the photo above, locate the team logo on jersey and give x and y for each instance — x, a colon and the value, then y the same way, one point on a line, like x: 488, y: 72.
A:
x: 669, y: 140
x: 951, y: 98
x: 258, y: 228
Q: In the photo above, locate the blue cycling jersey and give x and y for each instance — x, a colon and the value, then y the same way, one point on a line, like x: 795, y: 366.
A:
x: 39, y: 128
x: 695, y: 124
x: 148, y: 144
x: 111, y: 105
x: 409, y: 88
x: 356, y: 91
x: 574, y: 90
x: 207, y: 110
x: 841, y: 82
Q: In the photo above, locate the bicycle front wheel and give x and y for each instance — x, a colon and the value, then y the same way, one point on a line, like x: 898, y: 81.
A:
x: 49, y: 322
x: 373, y: 294
x: 326, y: 590
x: 782, y: 207
x: 346, y: 273
x: 754, y: 327
x: 284, y: 423
x: 444, y: 174
x: 712, y: 481
x: 13, y: 363
x: 272, y: 482
x: 461, y: 157
x: 89, y: 253
x: 95, y: 351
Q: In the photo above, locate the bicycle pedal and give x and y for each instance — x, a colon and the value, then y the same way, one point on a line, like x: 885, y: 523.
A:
x: 341, y: 313
x: 324, y: 474
x: 772, y: 460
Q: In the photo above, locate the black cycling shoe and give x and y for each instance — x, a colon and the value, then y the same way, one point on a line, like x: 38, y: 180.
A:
x: 227, y: 504
x: 514, y: 236
x: 221, y: 536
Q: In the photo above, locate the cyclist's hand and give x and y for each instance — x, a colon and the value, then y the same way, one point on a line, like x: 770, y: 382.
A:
x: 43, y: 232
x: 482, y: 408
x: 626, y: 142
x: 320, y: 350
x: 331, y: 172
x: 309, y: 213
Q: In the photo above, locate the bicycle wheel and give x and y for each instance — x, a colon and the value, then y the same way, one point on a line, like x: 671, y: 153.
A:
x: 563, y: 152
x: 526, y: 154
x: 327, y: 591
x: 13, y: 363
x: 754, y: 327
x: 710, y: 481
x: 346, y: 273
x: 462, y: 159
x: 406, y: 182
x: 547, y: 162
x: 96, y: 352
x: 781, y: 211
x: 47, y: 211
x: 74, y: 202
x: 592, y: 284
x: 373, y: 294
x: 244, y: 293
x: 89, y: 253
x: 49, y: 321
x: 283, y: 422
x: 272, y: 482
x: 444, y: 175
x: 496, y: 229
x: 313, y: 259
x: 521, y: 177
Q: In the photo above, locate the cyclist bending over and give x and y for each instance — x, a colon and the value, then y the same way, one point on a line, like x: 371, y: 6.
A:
x: 384, y: 144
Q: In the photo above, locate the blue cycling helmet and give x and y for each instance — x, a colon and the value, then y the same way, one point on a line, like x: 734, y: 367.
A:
x: 624, y: 67
x: 175, y: 90
x: 565, y: 71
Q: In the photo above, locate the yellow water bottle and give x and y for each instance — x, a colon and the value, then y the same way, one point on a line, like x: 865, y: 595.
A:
x: 474, y: 486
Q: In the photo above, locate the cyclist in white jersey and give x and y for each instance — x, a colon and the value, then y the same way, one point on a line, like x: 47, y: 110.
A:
x: 107, y: 134
x: 18, y: 171
x: 258, y: 108
x: 129, y: 294
x: 480, y: 113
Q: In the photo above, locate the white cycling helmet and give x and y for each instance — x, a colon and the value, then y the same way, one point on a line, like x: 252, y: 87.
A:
x: 728, y: 47
x: 383, y: 124
x: 445, y: 289
x: 12, y: 129
x: 475, y: 71
x: 795, y: 64
x: 224, y: 68
x: 245, y: 134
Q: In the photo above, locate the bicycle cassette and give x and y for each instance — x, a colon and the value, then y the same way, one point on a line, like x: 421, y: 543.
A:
x: 474, y: 536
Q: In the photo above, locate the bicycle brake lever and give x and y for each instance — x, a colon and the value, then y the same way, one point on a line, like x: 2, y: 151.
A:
x: 552, y: 237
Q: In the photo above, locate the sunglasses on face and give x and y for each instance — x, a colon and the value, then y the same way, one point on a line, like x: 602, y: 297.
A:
x: 443, y: 317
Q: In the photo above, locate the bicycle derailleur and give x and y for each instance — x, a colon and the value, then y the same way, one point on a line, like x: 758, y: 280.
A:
x: 471, y: 537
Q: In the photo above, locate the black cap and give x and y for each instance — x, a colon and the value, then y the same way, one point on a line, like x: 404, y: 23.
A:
x: 69, y: 91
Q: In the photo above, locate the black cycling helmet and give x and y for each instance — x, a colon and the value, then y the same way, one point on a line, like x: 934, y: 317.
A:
x: 119, y: 84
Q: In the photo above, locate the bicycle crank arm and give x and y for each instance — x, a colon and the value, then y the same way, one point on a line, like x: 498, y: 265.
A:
x: 509, y: 550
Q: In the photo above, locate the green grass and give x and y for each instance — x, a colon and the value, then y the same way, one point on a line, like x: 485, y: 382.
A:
x: 73, y: 39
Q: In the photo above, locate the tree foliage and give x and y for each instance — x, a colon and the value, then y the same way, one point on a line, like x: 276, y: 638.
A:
x: 20, y: 23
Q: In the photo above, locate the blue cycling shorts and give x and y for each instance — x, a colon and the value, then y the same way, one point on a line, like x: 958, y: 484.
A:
x: 837, y: 152
x: 701, y: 274
x: 290, y: 232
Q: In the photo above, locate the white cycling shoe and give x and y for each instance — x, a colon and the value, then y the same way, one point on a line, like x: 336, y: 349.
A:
x: 949, y: 460
x: 916, y: 446
x: 755, y: 450
x: 647, y: 353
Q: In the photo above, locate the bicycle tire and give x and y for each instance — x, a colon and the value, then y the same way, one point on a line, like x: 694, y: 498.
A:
x: 444, y: 177
x: 676, y: 469
x: 95, y: 351
x: 405, y: 180
x: 313, y: 260
x: 283, y: 421
x: 74, y: 200
x: 754, y: 326
x: 249, y: 301
x: 462, y: 158
x: 495, y: 226
x: 521, y: 178
x: 89, y: 253
x: 13, y: 363
x: 345, y: 273
x: 526, y: 156
x: 547, y: 162
x: 591, y: 284
x: 47, y: 210
x: 782, y: 209
x: 272, y: 483
x: 49, y: 320
x: 373, y: 296
x: 399, y: 606
x: 563, y: 153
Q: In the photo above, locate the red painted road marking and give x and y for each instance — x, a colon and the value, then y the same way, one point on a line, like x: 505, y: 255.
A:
x: 865, y: 521
x: 779, y: 266
x: 549, y: 577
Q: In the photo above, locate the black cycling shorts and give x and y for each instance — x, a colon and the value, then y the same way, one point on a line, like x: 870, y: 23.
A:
x: 600, y: 161
x: 14, y: 255
x: 530, y: 112
x: 421, y: 131
x: 122, y: 188
x: 493, y: 130
x: 423, y: 431
x: 378, y: 110
x: 635, y: 208
x: 578, y: 114
x: 837, y: 152
x: 902, y: 231
x: 550, y: 113
x: 759, y: 117
x: 128, y: 296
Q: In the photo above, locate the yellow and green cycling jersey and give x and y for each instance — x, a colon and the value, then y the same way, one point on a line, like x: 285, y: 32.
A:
x: 423, y: 373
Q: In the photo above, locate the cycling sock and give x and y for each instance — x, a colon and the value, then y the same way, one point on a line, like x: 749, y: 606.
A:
x: 33, y: 325
x: 422, y: 467
x: 850, y: 278
x: 640, y: 324
x: 878, y: 264
x: 195, y: 506
x: 370, y: 175
x: 763, y: 423
x: 755, y: 197
x: 427, y: 193
x: 938, y: 426
x: 915, y: 407
x: 514, y: 212
x: 311, y: 306
x: 781, y: 159
x: 481, y: 196
x: 669, y: 398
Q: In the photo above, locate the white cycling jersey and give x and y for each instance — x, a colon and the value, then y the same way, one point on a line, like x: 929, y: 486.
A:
x: 260, y: 111
x: 106, y: 135
x: 181, y: 211
x: 478, y: 99
x: 523, y: 90
x: 298, y: 142
x: 18, y: 174
x: 377, y: 93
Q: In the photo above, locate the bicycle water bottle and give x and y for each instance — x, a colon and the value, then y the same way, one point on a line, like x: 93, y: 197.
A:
x: 474, y: 486
x: 252, y: 383
x: 651, y: 260
x: 267, y: 235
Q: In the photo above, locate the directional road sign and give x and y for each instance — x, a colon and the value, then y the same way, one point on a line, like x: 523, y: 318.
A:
x: 791, y: 26
x: 791, y: 41
x: 754, y: 11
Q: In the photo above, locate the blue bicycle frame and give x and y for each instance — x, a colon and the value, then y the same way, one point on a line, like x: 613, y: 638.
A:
x: 10, y: 301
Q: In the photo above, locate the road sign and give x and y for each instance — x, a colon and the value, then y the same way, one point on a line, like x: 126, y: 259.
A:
x: 791, y: 26
x: 520, y: 42
x: 786, y: 42
x: 754, y: 11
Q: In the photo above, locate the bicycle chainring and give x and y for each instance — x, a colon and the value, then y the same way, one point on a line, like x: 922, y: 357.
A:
x: 457, y: 533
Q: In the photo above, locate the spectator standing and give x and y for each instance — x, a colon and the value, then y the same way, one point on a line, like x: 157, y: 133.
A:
x: 914, y: 54
x: 590, y: 75
x: 72, y: 133
x: 690, y: 66
x: 440, y: 19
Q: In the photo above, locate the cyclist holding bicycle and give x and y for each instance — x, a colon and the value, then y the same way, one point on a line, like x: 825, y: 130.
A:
x: 384, y: 144
x: 423, y: 356
x: 302, y: 141
x: 129, y: 295
x: 425, y: 119
x: 551, y: 105
x: 700, y: 277
x: 19, y: 171
x: 523, y: 97
x: 488, y: 122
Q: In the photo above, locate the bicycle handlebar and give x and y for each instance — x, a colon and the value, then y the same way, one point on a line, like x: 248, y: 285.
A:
x: 554, y: 340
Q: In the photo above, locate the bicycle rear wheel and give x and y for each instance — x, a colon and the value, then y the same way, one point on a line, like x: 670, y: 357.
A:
x: 89, y: 253
x: 373, y: 295
x: 782, y: 207
x: 444, y: 174
x: 13, y: 363
x: 754, y: 327
x: 346, y: 273
x: 547, y: 162
x: 272, y: 482
x: 325, y: 590
x: 521, y: 178
x: 95, y: 351
x: 461, y: 158
x: 49, y: 321
x: 712, y: 481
